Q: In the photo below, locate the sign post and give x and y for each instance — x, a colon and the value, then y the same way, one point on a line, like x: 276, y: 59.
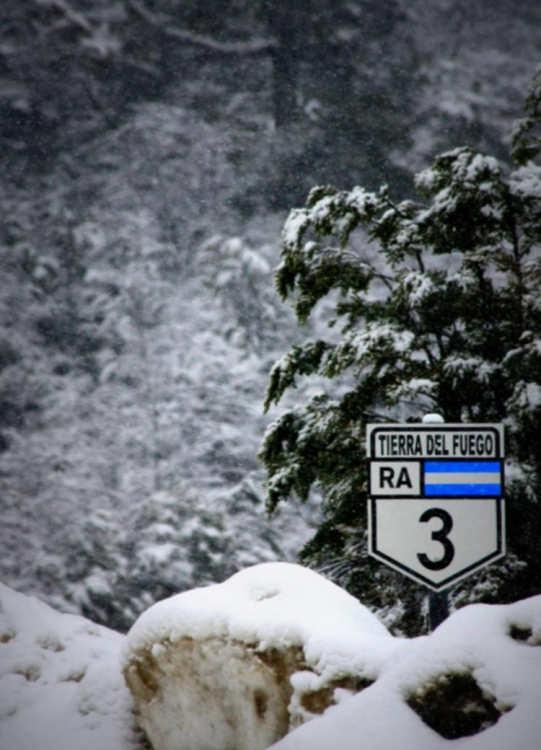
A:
x: 436, y: 508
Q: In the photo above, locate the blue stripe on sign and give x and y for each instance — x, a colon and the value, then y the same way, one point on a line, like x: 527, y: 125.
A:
x: 464, y: 478
x: 461, y: 467
x: 468, y: 490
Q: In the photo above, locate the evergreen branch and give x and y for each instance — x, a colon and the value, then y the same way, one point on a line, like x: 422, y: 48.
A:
x: 300, y: 361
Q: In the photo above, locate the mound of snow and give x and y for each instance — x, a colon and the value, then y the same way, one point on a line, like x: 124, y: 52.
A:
x: 60, y: 682
x: 275, y: 605
x: 490, y: 653
x: 475, y: 681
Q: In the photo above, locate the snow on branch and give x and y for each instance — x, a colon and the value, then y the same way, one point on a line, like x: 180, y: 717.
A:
x: 73, y: 16
x: 252, y: 47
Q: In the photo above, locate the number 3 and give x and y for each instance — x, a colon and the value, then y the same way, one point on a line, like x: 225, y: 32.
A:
x: 441, y: 536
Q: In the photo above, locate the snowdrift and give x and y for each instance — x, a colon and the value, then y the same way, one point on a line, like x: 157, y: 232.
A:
x: 351, y: 685
x: 278, y: 650
x: 60, y: 682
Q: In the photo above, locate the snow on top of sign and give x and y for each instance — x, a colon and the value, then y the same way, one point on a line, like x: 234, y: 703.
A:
x: 433, y: 419
x: 274, y: 605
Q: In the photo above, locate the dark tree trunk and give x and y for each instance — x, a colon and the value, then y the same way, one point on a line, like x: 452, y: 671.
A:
x: 283, y: 20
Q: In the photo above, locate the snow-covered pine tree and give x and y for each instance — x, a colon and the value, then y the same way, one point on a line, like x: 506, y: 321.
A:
x: 436, y: 307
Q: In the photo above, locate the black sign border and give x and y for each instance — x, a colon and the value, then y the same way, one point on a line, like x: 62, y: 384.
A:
x: 413, y: 428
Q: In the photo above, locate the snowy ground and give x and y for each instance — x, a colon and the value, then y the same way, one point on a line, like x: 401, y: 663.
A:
x: 60, y: 683
x: 61, y: 686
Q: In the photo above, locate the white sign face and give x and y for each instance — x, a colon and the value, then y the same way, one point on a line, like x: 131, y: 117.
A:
x: 436, y: 510
x: 436, y: 542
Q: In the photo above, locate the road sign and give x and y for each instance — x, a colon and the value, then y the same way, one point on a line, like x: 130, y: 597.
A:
x: 436, y: 508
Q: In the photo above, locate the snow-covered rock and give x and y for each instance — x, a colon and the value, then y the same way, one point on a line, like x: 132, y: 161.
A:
x: 239, y: 664
x: 476, y: 681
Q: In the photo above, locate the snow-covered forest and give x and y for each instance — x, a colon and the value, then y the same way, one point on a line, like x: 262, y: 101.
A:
x: 150, y: 154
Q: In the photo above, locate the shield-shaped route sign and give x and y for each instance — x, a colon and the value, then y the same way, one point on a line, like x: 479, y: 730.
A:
x: 436, y: 506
